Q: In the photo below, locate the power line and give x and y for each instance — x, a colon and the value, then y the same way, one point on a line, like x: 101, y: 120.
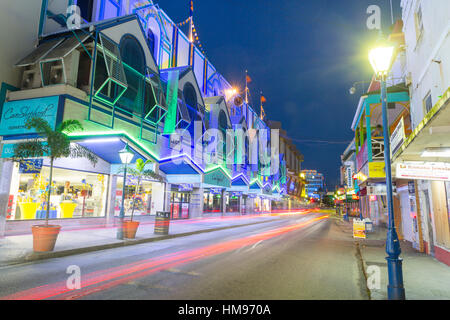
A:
x: 317, y: 141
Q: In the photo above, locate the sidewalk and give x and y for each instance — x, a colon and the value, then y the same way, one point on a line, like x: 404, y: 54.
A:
x: 19, y: 248
x: 424, y: 277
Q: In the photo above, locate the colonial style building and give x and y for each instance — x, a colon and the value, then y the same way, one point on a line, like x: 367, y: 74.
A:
x: 131, y: 76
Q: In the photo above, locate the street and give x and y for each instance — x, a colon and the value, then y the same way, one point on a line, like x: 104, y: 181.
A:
x: 290, y: 258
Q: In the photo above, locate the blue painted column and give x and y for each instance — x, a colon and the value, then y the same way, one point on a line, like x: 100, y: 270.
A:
x: 395, y: 290
x: 369, y: 133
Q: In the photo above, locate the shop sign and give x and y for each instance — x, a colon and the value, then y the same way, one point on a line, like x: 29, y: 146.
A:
x: 16, y: 113
x: 376, y: 170
x: 185, y: 187
x: 217, y: 178
x: 30, y: 166
x: 8, y: 150
x: 379, y: 189
x: 359, y: 229
x: 398, y: 137
x: 215, y: 191
x: 423, y: 171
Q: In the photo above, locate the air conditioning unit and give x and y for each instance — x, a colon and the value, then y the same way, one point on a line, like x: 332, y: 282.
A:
x: 31, y: 78
x: 56, y: 75
x: 408, y: 79
x: 61, y: 71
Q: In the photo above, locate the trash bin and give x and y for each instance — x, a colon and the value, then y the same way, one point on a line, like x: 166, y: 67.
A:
x: 369, y: 225
x: 162, y: 222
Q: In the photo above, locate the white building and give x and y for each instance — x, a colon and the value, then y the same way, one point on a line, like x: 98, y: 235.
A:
x: 427, y: 39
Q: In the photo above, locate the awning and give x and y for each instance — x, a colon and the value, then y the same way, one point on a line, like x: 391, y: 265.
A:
x: 54, y: 49
x: 217, y: 177
x: 180, y: 166
x: 432, y: 132
x: 108, y: 148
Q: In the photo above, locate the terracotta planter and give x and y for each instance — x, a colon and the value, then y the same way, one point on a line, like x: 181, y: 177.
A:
x: 44, y: 237
x: 130, y: 229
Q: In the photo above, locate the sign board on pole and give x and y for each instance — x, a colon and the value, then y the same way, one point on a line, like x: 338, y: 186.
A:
x: 377, y: 170
x: 398, y: 137
x: 359, y: 229
x: 423, y: 171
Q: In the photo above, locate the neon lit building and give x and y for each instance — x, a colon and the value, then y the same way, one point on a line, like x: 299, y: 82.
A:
x: 129, y: 74
x: 315, y: 184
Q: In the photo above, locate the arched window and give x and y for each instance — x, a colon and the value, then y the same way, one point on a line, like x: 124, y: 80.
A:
x: 151, y: 41
x: 223, y: 126
x: 132, y: 53
x: 133, y: 57
x: 190, y: 96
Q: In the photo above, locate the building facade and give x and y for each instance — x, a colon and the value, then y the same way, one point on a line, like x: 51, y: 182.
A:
x: 131, y: 76
x: 418, y: 97
x: 315, y: 184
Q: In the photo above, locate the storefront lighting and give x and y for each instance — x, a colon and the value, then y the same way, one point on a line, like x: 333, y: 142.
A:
x: 126, y: 155
x: 436, y: 152
x: 100, y: 140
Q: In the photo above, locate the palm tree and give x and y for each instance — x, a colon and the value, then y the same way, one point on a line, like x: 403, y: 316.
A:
x: 54, y: 144
x: 140, y: 173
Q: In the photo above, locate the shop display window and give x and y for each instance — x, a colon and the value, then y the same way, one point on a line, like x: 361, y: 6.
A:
x: 74, y: 194
x: 179, y: 205
x: 143, y: 200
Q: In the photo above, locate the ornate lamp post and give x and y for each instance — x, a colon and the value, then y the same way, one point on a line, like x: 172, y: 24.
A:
x: 381, y: 60
x: 126, y: 156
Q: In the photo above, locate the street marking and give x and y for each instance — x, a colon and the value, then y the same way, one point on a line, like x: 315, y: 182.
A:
x: 189, y: 273
x: 254, y: 246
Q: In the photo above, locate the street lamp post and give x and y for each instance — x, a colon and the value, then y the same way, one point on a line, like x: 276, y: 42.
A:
x: 381, y: 61
x: 126, y: 155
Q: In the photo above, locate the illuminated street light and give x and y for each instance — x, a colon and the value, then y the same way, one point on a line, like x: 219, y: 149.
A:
x: 381, y: 60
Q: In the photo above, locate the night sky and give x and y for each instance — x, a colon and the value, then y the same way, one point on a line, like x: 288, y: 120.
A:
x: 303, y: 54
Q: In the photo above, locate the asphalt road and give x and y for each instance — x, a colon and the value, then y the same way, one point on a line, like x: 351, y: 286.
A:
x: 289, y: 258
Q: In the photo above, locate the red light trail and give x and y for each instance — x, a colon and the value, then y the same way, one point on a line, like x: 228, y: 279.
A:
x: 105, y: 279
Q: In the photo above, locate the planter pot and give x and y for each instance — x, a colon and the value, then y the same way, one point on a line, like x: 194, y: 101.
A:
x: 67, y: 209
x: 130, y: 229
x: 44, y: 237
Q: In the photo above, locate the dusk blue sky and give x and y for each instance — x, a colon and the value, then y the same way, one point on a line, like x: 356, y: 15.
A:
x: 303, y: 54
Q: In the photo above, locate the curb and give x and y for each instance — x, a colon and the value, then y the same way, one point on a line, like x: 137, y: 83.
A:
x: 64, y: 253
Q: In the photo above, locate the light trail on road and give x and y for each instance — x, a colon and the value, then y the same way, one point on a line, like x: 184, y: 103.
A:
x: 90, y: 226
x: 108, y: 278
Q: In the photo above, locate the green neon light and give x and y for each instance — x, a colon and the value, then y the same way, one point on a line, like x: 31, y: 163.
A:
x: 172, y: 100
x: 87, y: 134
x: 224, y: 170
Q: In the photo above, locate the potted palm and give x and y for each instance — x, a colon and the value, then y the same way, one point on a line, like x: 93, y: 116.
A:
x: 139, y: 172
x: 55, y: 144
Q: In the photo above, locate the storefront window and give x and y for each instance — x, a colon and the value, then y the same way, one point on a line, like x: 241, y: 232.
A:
x: 233, y: 202
x: 143, y: 200
x: 74, y: 194
x: 212, y: 201
x: 179, y: 205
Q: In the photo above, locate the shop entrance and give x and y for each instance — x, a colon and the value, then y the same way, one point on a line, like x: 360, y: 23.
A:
x: 233, y: 202
x: 212, y: 201
x: 179, y: 205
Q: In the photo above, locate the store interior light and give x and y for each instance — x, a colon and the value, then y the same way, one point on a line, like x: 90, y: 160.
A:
x: 436, y: 153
